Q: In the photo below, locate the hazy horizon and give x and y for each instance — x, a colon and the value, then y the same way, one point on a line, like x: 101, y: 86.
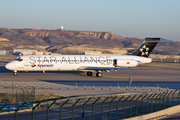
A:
x: 139, y: 18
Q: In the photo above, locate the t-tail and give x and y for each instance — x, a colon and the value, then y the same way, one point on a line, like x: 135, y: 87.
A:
x: 147, y: 46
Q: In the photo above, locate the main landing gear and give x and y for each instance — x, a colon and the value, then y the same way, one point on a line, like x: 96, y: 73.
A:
x: 89, y: 73
x: 98, y: 74
x: 14, y: 73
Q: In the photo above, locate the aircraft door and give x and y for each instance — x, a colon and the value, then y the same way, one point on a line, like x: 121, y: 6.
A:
x: 115, y: 62
x: 26, y: 63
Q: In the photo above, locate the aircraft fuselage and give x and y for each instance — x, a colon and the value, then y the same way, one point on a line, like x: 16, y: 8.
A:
x: 70, y: 62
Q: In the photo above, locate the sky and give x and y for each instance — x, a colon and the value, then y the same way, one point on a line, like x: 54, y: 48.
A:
x: 127, y: 18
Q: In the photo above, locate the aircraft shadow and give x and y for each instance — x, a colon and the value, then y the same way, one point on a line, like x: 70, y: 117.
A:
x: 4, y: 70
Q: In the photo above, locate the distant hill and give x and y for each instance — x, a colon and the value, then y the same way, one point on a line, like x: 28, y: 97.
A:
x: 72, y: 42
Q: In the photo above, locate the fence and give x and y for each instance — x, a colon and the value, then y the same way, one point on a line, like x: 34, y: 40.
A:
x: 8, y: 107
x: 27, y: 89
x: 112, y: 107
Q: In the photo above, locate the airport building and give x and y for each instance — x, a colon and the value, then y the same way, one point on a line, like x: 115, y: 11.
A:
x: 18, y: 51
x: 165, y: 58
x: 31, y: 53
x: 3, y: 52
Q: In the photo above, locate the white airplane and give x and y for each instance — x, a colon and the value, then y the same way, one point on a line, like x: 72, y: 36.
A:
x: 89, y: 63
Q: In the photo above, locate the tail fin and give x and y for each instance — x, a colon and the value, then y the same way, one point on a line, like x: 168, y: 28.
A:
x: 147, y: 47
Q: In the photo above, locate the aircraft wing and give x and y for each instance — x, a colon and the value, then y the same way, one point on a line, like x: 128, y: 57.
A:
x: 103, y: 68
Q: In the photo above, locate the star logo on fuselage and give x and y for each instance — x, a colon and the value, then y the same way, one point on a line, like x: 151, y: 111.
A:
x: 144, y: 50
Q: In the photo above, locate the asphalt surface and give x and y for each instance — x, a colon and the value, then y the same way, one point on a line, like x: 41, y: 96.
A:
x: 162, y: 74
x: 54, y: 111
x: 172, y: 117
x: 155, y: 72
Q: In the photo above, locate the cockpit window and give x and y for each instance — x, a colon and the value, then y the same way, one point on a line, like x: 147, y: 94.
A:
x: 19, y: 59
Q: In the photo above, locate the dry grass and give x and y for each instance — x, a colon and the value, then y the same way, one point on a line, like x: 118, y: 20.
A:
x: 46, y: 97
x: 5, y: 97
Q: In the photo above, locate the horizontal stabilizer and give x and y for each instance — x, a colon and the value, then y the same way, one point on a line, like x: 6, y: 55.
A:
x: 159, y: 41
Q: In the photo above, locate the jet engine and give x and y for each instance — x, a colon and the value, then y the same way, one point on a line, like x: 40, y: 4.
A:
x: 125, y: 63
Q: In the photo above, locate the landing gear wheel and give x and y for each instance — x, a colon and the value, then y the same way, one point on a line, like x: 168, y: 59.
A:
x: 89, y: 73
x: 98, y: 74
x: 14, y: 73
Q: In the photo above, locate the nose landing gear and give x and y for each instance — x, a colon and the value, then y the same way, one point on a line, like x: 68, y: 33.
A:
x: 14, y: 73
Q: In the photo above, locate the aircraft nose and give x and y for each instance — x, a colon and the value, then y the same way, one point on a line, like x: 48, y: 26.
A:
x: 9, y: 66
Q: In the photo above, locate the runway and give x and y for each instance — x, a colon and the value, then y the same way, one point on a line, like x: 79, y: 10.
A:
x: 161, y: 74
x: 156, y: 74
